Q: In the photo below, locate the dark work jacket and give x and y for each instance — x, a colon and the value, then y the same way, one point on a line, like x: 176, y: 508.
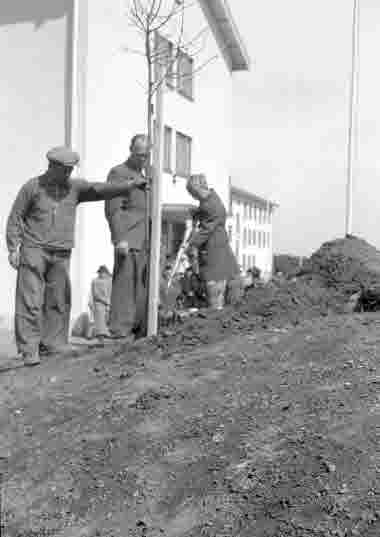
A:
x: 44, y: 212
x: 216, y: 259
x: 126, y: 214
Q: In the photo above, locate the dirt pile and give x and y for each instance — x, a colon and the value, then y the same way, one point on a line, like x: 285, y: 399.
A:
x: 349, y: 264
x: 336, y: 271
x: 273, y: 306
x: 304, y: 297
x: 268, y: 434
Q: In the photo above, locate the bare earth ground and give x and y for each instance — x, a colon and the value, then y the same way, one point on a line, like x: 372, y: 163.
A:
x: 268, y: 430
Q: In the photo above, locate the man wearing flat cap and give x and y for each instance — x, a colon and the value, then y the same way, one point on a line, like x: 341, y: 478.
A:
x: 40, y: 237
x: 126, y: 216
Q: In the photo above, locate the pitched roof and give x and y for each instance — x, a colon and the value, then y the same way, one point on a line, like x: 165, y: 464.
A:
x: 249, y: 196
x: 226, y: 33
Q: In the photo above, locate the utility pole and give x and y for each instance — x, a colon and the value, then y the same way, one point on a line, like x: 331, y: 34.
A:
x: 156, y: 209
x: 352, y: 126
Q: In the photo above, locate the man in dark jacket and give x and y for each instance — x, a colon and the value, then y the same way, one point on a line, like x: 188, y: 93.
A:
x: 126, y: 217
x: 40, y: 237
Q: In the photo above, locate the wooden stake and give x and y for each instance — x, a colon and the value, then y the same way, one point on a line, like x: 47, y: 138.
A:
x: 156, y: 215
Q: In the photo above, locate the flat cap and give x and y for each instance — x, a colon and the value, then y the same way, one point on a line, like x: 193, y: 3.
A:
x: 63, y: 155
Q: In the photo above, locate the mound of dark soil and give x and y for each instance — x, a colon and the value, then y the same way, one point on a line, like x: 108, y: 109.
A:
x: 349, y: 264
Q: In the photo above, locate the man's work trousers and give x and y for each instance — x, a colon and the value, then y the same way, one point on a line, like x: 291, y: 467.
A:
x: 129, y: 294
x: 101, y: 315
x: 43, y: 299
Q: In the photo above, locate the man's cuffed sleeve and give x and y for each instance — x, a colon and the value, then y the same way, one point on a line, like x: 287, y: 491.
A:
x: 89, y: 191
x: 15, y: 223
x: 110, y: 205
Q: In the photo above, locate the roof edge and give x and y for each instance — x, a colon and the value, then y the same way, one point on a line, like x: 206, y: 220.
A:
x: 250, y: 196
x: 227, y: 34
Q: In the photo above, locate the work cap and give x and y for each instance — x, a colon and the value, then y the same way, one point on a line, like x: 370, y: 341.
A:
x: 63, y: 155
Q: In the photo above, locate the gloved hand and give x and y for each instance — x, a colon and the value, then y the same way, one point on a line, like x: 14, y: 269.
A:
x: 14, y: 259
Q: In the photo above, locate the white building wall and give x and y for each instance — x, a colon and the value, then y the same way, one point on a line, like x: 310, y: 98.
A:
x: 35, y: 112
x: 116, y: 110
x: 260, y: 225
x: 33, y: 96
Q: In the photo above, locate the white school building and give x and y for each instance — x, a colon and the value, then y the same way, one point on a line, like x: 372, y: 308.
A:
x: 71, y: 76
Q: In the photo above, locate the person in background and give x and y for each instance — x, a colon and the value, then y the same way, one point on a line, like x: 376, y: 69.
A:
x: 254, y: 275
x: 193, y: 289
x: 100, y: 300
x: 83, y: 326
x: 126, y: 216
x: 217, y: 263
x: 40, y: 237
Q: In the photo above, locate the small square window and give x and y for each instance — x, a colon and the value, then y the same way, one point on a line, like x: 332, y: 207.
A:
x: 164, y: 60
x: 168, y: 140
x: 185, y: 75
x: 183, y: 155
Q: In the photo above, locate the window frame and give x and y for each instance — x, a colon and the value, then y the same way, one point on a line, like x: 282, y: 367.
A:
x: 185, y: 174
x: 170, y: 65
x: 229, y: 233
x: 188, y: 93
x: 168, y: 151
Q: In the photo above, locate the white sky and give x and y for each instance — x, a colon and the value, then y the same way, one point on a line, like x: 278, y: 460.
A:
x: 291, y: 117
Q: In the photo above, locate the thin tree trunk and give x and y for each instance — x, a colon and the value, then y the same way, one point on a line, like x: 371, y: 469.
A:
x: 148, y: 53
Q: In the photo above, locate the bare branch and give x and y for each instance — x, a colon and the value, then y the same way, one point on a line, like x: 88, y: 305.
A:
x: 134, y: 51
x: 151, y: 10
x: 137, y: 15
x: 157, y: 12
x: 165, y: 20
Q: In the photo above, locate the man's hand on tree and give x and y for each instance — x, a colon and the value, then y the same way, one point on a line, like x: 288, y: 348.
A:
x: 140, y: 182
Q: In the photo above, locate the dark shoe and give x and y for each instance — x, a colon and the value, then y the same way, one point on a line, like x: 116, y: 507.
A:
x: 53, y: 351
x: 31, y: 359
x: 122, y: 339
x: 43, y: 349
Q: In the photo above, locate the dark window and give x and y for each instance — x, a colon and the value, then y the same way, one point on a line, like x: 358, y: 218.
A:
x: 168, y: 140
x: 185, y: 75
x: 164, y: 60
x: 183, y: 155
x: 237, y: 223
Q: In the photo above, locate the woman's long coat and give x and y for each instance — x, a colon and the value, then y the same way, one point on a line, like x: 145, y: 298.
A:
x: 216, y: 259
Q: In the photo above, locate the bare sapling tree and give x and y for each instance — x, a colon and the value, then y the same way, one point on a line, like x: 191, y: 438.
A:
x: 169, y: 58
x: 161, y: 25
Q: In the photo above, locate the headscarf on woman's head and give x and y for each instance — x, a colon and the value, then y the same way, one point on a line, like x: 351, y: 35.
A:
x: 198, y: 182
